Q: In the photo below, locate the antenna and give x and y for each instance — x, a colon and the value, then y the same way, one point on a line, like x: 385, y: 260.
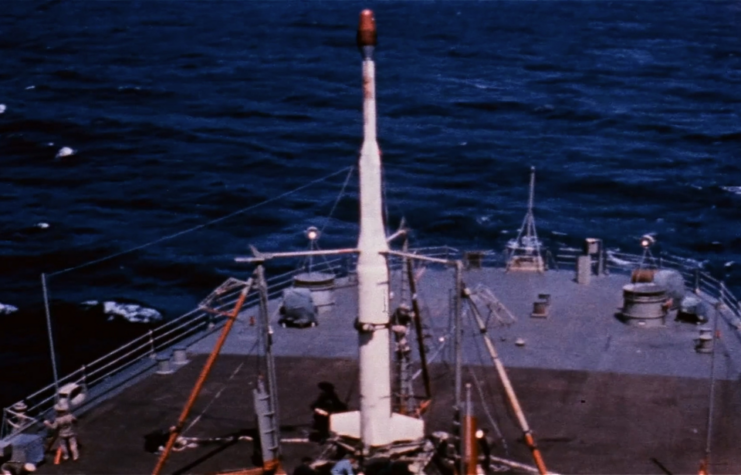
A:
x: 523, y: 253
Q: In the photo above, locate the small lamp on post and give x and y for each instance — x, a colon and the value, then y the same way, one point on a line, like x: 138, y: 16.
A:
x: 312, y: 234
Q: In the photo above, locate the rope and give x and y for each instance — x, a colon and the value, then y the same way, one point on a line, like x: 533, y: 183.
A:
x: 198, y: 417
x: 329, y: 216
x: 337, y: 201
x: 488, y: 414
x: 234, y: 373
x: 394, y: 205
x: 200, y: 226
x: 488, y: 388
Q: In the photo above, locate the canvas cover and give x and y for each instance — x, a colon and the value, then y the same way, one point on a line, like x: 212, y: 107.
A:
x: 298, y: 308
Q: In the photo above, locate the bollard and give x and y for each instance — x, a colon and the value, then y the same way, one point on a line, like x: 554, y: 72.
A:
x: 705, y: 342
x: 163, y: 365
x: 540, y: 309
x: 179, y: 356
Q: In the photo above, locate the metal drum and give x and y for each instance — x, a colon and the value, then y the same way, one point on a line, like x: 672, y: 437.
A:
x: 644, y: 304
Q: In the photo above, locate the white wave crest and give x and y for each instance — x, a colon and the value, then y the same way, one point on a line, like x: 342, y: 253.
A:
x: 131, y: 312
x: 732, y: 189
x: 65, y: 152
x: 7, y: 309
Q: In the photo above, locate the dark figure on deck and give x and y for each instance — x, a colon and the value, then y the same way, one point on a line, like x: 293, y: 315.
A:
x: 305, y: 468
x: 327, y: 403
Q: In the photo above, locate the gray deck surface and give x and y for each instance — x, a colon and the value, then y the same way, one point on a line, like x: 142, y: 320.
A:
x: 601, y: 396
x: 581, y: 333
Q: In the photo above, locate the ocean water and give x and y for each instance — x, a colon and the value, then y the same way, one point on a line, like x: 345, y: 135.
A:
x: 183, y: 112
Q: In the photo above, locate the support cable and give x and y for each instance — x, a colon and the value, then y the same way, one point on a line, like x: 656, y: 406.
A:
x: 50, y: 333
x: 200, y: 226
x: 492, y: 421
x: 337, y: 201
x: 178, y: 428
x: 509, y: 390
x: 198, y: 417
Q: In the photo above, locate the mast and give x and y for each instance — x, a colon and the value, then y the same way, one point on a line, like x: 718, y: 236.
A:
x: 524, y: 252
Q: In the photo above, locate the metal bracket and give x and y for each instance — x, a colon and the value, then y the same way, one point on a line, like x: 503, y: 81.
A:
x: 370, y: 327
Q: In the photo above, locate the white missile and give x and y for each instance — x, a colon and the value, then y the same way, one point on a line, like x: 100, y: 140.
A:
x: 374, y: 424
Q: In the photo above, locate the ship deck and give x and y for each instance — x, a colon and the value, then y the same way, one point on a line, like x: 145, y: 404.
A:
x: 601, y: 396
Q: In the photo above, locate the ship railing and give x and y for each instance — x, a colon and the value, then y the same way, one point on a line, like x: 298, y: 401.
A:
x: 439, y: 252
x: 138, y: 356
x: 696, y: 279
x: 484, y: 258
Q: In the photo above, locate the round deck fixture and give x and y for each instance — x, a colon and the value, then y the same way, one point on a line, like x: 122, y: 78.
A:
x: 644, y: 304
x: 321, y: 285
x: 705, y: 342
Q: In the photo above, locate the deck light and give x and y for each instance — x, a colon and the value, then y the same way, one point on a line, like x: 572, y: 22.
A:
x: 312, y: 233
x: 647, y: 241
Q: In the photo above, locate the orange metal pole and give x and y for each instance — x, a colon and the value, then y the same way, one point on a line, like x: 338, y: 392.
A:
x: 508, y: 389
x: 472, y: 453
x: 202, y: 379
x: 703, y: 467
x: 536, y: 453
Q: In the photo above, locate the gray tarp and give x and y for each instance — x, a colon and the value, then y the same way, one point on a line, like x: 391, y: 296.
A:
x: 298, y: 308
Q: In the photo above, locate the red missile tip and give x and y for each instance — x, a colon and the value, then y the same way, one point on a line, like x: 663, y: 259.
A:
x: 366, y: 29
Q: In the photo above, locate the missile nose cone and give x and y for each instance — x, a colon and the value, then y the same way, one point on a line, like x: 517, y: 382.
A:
x: 366, y: 29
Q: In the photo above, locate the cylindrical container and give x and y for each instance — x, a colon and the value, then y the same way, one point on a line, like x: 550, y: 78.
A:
x: 643, y: 305
x: 705, y: 342
x: 540, y: 308
x: 163, y: 365
x: 179, y: 356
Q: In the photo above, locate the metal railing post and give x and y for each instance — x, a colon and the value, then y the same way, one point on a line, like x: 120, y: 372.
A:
x: 697, y: 281
x: 152, y: 352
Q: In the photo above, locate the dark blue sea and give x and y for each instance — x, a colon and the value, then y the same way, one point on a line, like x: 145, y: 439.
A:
x: 180, y: 112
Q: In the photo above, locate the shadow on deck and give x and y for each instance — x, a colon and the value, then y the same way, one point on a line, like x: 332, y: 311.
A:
x: 585, y: 422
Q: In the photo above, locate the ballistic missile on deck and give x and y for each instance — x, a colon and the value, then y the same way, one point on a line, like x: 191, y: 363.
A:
x: 375, y: 425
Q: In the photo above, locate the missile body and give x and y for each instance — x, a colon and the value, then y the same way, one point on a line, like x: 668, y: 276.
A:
x: 373, y: 277
x: 374, y: 424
